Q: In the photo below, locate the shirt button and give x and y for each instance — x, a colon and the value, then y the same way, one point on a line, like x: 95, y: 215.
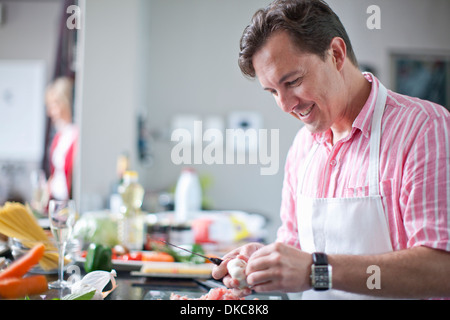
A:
x: 333, y: 162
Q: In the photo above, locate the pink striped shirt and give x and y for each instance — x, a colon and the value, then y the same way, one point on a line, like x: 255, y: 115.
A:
x: 414, y: 170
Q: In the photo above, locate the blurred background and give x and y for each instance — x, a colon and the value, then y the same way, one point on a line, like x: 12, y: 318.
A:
x: 142, y: 68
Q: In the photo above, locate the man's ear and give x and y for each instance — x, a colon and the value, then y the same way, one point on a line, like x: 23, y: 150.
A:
x: 338, y: 51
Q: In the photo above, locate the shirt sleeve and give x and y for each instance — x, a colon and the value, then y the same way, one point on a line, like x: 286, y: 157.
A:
x: 288, y: 231
x: 426, y: 186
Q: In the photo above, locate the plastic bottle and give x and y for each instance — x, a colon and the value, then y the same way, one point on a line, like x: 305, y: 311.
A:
x: 131, y: 218
x: 188, y: 196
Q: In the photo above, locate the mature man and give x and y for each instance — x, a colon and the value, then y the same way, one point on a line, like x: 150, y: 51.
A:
x: 367, y: 179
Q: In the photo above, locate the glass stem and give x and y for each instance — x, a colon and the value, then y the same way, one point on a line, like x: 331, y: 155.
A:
x: 62, y: 248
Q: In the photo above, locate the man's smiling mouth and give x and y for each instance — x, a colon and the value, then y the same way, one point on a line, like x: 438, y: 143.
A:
x: 307, y: 111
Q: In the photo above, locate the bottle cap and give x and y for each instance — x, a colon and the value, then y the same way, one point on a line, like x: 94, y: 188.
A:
x: 131, y: 175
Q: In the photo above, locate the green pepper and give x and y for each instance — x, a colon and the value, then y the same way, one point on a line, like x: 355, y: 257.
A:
x: 98, y: 257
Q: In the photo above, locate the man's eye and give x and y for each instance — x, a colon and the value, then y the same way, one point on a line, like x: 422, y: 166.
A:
x: 294, y: 82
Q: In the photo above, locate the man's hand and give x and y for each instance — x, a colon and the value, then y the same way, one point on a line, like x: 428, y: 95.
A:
x: 221, y: 271
x: 275, y: 267
x: 279, y: 267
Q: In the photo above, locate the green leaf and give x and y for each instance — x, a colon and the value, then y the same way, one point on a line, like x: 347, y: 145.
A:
x: 80, y: 296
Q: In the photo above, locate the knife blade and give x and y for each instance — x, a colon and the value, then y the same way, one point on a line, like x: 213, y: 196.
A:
x: 216, y: 261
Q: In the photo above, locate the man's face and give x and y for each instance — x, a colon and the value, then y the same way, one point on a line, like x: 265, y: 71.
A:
x: 302, y: 83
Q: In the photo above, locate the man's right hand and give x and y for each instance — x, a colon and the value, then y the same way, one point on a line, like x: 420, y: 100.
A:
x: 221, y: 271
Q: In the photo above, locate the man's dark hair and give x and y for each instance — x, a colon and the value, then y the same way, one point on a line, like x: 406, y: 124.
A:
x: 311, y: 24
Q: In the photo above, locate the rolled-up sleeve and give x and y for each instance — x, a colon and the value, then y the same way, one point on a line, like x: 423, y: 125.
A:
x: 426, y: 186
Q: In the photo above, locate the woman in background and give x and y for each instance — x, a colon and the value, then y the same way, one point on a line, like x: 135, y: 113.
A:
x: 62, y: 151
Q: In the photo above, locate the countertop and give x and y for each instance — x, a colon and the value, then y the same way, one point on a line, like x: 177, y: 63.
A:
x: 131, y: 287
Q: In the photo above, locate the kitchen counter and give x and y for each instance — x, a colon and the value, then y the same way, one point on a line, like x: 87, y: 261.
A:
x: 131, y: 287
x: 149, y: 288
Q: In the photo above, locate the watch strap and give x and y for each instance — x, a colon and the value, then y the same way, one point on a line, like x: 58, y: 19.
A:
x: 320, y: 259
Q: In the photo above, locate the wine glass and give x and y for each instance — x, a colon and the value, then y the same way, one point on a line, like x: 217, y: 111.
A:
x: 61, y: 214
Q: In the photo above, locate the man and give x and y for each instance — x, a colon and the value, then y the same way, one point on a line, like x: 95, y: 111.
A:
x: 367, y: 179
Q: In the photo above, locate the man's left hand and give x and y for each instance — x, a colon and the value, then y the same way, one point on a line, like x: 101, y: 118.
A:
x: 279, y: 267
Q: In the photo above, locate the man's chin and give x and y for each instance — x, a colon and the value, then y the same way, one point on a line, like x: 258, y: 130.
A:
x: 314, y: 128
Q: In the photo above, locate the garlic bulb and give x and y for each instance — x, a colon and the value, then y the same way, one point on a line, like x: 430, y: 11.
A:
x: 236, y: 269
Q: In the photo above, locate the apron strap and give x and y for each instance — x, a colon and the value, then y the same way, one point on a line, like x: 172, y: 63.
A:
x: 375, y: 141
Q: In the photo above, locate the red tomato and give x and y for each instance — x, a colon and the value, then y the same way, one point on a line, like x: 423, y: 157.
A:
x: 131, y: 256
x: 135, y: 256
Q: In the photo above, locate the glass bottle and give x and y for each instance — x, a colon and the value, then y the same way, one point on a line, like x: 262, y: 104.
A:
x: 131, y: 218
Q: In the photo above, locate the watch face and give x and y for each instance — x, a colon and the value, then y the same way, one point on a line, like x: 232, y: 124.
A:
x: 321, y: 277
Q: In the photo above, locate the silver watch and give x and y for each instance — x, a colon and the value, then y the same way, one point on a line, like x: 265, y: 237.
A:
x: 321, y: 272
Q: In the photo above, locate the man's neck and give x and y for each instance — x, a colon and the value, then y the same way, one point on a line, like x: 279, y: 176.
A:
x: 358, y: 91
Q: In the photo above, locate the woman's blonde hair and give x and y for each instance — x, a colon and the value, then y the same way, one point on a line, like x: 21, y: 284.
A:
x: 62, y: 89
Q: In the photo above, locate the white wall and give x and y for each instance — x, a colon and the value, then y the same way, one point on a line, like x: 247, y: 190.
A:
x: 109, y: 95
x: 30, y: 31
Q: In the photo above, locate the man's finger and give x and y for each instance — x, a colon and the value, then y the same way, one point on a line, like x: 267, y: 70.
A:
x: 220, y: 271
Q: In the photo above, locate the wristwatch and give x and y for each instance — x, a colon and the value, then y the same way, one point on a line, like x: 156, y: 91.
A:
x: 320, y: 272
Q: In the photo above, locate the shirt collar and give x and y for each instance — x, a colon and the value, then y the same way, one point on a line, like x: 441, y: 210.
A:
x: 363, y: 120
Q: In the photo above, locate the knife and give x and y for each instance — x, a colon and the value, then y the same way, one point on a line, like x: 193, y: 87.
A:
x: 216, y: 261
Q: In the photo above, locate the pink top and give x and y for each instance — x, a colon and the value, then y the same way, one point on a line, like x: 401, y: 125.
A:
x: 414, y: 170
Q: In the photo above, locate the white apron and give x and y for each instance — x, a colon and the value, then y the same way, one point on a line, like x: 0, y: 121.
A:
x: 346, y: 225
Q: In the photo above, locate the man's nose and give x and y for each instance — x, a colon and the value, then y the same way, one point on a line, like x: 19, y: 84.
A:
x: 287, y: 102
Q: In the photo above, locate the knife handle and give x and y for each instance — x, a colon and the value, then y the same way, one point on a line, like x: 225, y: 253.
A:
x: 216, y: 261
